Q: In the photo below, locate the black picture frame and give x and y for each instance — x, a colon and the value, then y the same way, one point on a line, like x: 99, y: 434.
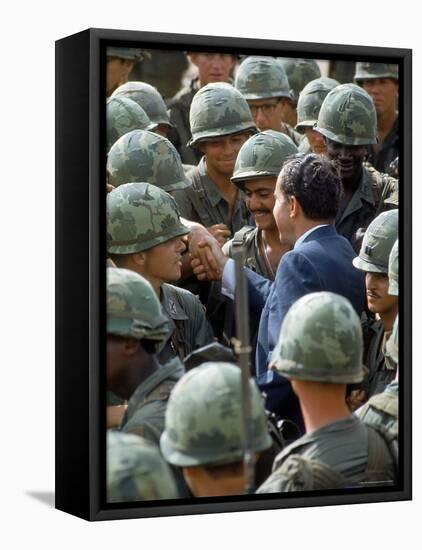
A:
x: 80, y: 273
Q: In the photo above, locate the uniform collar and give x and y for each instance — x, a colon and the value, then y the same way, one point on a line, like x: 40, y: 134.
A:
x: 170, y: 303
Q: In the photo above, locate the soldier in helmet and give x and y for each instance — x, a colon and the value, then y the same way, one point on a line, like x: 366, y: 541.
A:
x: 144, y: 234
x: 382, y: 409
x: 124, y: 115
x: 263, y: 83
x: 308, y: 106
x: 347, y: 120
x: 149, y: 98
x: 203, y: 431
x: 136, y: 470
x: 320, y: 352
x: 373, y: 257
x: 299, y: 72
x: 120, y: 62
x: 211, y: 67
x: 380, y: 80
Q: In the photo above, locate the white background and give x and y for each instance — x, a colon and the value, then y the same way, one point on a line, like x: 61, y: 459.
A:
x: 29, y: 30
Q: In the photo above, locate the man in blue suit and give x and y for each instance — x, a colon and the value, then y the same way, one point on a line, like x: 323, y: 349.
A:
x: 307, y: 196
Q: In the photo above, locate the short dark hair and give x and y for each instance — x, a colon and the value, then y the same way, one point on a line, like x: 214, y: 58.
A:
x: 313, y: 180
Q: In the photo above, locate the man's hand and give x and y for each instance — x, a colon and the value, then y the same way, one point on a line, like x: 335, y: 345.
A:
x: 220, y: 232
x: 209, y: 261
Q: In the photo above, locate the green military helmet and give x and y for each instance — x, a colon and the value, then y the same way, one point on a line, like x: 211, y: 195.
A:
x: 133, y: 309
x: 262, y: 155
x: 147, y: 97
x: 348, y: 116
x: 136, y: 470
x: 260, y: 77
x: 139, y: 217
x: 204, y: 418
x: 320, y: 341
x: 393, y: 270
x: 368, y: 71
x: 377, y: 243
x: 392, y: 346
x: 299, y: 72
x: 123, y: 116
x: 133, y: 54
x: 144, y: 156
x: 310, y: 101
x: 218, y: 109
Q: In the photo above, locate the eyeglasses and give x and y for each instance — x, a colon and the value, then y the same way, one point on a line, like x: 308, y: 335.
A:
x: 266, y: 108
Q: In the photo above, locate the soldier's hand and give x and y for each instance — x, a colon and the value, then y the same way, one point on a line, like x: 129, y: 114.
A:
x: 220, y: 232
x: 211, y: 260
x: 356, y: 399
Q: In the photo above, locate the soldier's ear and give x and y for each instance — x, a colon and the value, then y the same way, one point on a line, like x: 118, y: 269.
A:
x: 130, y: 347
x: 139, y: 258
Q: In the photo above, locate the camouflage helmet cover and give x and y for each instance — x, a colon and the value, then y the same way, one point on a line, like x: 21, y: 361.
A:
x: 133, y: 309
x: 320, y: 341
x: 144, y: 156
x: 377, y: 243
x: 348, y: 116
x: 310, y: 100
x: 133, y: 54
x: 136, y: 470
x: 147, y: 97
x: 393, y: 270
x: 299, y: 72
x: 204, y: 418
x: 139, y: 217
x: 260, y: 77
x: 123, y: 116
x: 217, y: 110
x: 368, y: 71
x: 262, y: 155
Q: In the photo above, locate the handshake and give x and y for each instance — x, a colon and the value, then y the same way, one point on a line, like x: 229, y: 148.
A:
x: 207, y: 258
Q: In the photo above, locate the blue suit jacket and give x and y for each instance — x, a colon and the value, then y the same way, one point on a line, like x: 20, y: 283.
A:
x: 323, y: 261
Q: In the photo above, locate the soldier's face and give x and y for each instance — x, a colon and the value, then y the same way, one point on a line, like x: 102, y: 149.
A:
x: 221, y: 152
x: 316, y: 141
x: 213, y: 67
x: 117, y: 73
x: 260, y: 200
x: 347, y: 158
x: 384, y: 92
x: 268, y: 114
x: 116, y: 364
x: 163, y: 263
x: 162, y: 130
x: 379, y: 301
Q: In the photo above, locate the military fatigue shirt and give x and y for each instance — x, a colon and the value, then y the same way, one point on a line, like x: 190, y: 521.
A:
x: 189, y: 327
x: 341, y: 445
x: 147, y: 406
x: 213, y: 208
x: 293, y: 135
x: 382, y: 410
x: 365, y: 204
x: 178, y: 109
x: 388, y: 150
x: 250, y: 239
x: 304, y: 146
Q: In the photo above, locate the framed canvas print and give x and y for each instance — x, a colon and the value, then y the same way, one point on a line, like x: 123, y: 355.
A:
x: 228, y: 263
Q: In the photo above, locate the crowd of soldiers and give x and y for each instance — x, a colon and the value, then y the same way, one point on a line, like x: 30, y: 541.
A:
x: 263, y: 157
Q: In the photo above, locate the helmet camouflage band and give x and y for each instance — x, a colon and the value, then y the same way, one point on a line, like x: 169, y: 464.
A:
x: 377, y: 243
x: 144, y: 156
x: 133, y: 309
x: 299, y: 72
x: 147, y: 97
x: 123, y: 116
x: 348, y: 116
x: 393, y: 270
x: 369, y: 71
x: 320, y: 341
x: 136, y: 470
x: 261, y: 78
x: 392, y: 346
x: 217, y: 110
x: 204, y: 418
x: 133, y: 54
x: 310, y: 101
x: 261, y: 156
x: 139, y: 217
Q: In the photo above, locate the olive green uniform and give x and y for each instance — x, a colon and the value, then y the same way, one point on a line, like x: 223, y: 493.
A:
x: 366, y: 203
x: 382, y: 410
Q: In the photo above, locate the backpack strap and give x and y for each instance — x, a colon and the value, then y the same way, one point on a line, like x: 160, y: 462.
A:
x: 160, y: 393
x: 199, y: 199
